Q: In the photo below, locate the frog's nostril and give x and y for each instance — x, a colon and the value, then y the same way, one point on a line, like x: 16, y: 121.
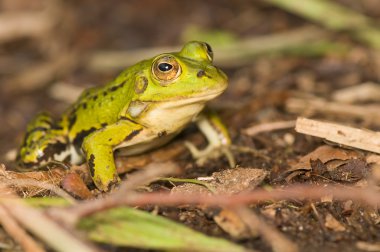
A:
x: 201, y: 73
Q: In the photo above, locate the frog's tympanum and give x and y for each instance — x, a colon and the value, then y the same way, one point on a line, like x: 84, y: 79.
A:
x: 144, y: 107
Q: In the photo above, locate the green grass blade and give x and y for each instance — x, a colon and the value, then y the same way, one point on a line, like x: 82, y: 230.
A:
x: 134, y: 228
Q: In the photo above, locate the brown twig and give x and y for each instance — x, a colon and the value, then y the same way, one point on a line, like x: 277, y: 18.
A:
x: 54, y: 234
x: 145, y: 176
x: 46, y: 229
x: 341, y: 134
x: 310, y: 106
x: 367, y: 196
x: 365, y: 92
x: 271, y: 126
x: 277, y: 241
x: 236, y: 53
x: 17, y: 233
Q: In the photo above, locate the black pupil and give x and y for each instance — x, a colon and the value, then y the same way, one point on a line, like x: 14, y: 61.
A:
x: 164, y: 67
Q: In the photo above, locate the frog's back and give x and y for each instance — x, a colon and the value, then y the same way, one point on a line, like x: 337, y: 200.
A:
x: 97, y: 108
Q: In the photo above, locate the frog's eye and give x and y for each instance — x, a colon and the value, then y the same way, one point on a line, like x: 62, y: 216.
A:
x: 210, y: 53
x: 166, y: 69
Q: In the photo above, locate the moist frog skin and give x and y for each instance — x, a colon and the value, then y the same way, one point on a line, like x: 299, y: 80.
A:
x: 143, y: 108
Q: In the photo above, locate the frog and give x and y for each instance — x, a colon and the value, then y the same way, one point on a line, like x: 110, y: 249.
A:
x: 143, y: 108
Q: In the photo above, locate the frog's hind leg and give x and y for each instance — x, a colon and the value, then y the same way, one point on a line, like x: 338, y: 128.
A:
x: 44, y: 142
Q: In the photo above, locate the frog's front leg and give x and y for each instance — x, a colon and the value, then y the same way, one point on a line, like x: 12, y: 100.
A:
x: 98, y: 148
x: 218, y: 138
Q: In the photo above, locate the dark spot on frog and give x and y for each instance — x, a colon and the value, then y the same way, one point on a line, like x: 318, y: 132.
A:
x: 132, y: 135
x: 116, y: 87
x: 72, y: 119
x: 56, y: 126
x: 52, y: 149
x: 78, y: 140
x: 110, y: 139
x: 38, y: 129
x: 91, y: 165
x: 202, y: 73
x: 104, y: 125
x: 111, y: 98
x: 114, y: 182
x: 46, y: 120
x: 162, y: 133
x: 105, y: 93
x: 95, y: 97
x: 84, y: 105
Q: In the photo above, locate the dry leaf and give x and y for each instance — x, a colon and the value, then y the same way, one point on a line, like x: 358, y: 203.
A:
x: 229, y: 181
x: 333, y: 224
x: 74, y: 185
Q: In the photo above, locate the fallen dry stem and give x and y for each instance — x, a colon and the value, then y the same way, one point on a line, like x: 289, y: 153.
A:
x: 301, y: 192
x: 234, y: 54
x: 307, y: 106
x: 340, y: 18
x: 11, y: 226
x: 38, y: 223
x: 277, y: 241
x: 46, y: 229
x: 151, y: 173
x: 349, y: 136
x: 266, y: 127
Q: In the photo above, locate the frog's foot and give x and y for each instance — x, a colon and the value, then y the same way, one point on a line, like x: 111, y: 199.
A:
x: 211, y: 152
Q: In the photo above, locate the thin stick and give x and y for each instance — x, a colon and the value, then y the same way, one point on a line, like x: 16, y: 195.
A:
x: 340, y: 18
x: 277, y: 241
x: 46, y: 229
x: 151, y: 173
x: 349, y: 136
x: 311, y: 106
x: 38, y: 223
x: 17, y: 233
x: 271, y: 126
x: 232, y: 54
x: 292, y: 192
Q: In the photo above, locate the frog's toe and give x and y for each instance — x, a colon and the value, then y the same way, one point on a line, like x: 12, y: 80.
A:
x: 106, y: 185
x: 211, y: 152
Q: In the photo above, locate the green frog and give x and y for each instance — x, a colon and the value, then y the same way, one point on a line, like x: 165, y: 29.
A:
x: 143, y: 108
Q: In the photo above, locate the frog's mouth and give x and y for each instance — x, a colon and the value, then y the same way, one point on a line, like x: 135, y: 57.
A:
x: 199, y: 98
x: 193, y: 104
x: 202, y: 97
